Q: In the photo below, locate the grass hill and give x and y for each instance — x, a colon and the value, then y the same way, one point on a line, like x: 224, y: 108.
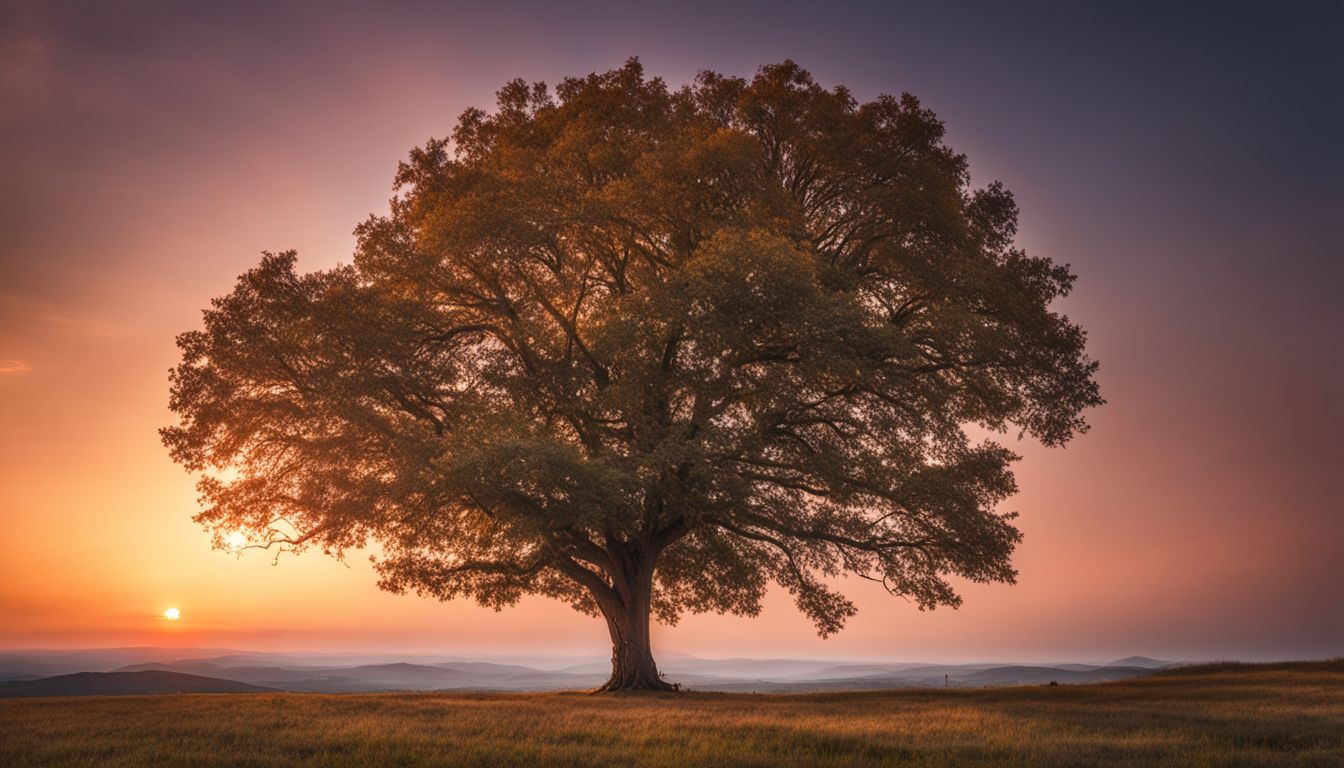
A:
x: 124, y: 684
x: 1244, y: 715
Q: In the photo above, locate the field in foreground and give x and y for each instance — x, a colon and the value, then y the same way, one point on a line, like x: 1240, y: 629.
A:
x: 1270, y: 715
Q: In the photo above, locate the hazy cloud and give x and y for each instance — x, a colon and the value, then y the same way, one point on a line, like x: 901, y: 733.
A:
x: 26, y: 57
x: 22, y: 311
x: 14, y: 366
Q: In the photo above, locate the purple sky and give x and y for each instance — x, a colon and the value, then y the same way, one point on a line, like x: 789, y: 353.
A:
x: 1186, y: 162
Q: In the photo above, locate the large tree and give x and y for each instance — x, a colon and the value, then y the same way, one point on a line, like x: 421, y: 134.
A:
x: 647, y: 351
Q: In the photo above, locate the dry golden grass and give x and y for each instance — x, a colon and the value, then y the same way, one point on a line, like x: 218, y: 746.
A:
x: 1229, y: 715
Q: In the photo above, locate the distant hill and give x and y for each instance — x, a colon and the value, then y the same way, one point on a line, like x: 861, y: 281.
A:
x: 1139, y: 661
x: 1331, y: 666
x: 344, y: 673
x: 1027, y: 675
x: 476, y: 676
x: 124, y: 683
x: 33, y: 664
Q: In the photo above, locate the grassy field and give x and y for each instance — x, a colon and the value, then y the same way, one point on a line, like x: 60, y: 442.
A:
x: 1226, y: 715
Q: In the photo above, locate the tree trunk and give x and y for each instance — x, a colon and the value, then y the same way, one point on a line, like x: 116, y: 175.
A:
x: 632, y: 664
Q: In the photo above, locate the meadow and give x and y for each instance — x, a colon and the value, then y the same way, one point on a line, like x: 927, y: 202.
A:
x: 1218, y: 715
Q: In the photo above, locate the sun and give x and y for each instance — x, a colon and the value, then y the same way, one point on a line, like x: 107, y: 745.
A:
x: 172, y: 614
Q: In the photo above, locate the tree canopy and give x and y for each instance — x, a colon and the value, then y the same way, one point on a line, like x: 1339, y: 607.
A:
x: 648, y: 350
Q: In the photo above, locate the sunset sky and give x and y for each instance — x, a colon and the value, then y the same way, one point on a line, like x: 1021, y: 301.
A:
x: 1187, y: 163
